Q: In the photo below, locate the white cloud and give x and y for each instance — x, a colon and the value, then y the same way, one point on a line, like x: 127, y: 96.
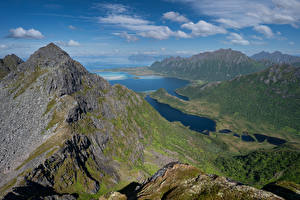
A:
x: 142, y: 27
x: 112, y: 8
x: 71, y: 27
x: 265, y: 30
x: 70, y: 43
x: 229, y: 23
x: 291, y: 43
x: 73, y: 43
x: 245, y: 13
x: 2, y: 46
x: 123, y: 20
x: 202, y: 28
x: 23, y: 33
x: 256, y: 37
x: 175, y: 16
x: 235, y: 38
x: 128, y: 37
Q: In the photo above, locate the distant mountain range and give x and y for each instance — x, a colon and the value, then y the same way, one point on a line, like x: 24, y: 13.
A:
x: 276, y: 58
x: 223, y: 64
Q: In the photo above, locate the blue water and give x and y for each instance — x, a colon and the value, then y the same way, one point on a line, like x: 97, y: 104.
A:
x: 152, y: 83
x: 196, y: 123
x: 272, y: 140
x: 145, y: 83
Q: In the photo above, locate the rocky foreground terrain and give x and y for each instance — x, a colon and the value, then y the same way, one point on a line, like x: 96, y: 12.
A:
x: 182, y: 181
x: 69, y: 134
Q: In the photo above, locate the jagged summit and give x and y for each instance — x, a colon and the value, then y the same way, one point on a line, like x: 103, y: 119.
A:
x: 48, y: 56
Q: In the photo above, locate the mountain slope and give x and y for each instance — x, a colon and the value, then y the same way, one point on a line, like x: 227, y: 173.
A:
x: 223, y: 64
x: 267, y: 97
x: 276, y: 58
x: 71, y: 133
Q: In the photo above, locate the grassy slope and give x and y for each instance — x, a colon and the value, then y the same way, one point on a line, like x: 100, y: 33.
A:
x: 257, y: 98
x: 161, y: 138
x: 252, y: 166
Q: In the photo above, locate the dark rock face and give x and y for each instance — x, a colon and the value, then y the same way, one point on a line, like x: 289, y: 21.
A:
x: 37, y: 192
x: 74, y: 155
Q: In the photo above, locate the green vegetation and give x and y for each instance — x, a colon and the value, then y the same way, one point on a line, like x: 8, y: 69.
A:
x: 7, y: 186
x: 264, y: 102
x: 210, y: 192
x: 52, y: 142
x: 50, y: 105
x: 266, y: 97
x: 56, y: 118
x: 262, y: 167
x: 223, y: 64
x: 29, y: 80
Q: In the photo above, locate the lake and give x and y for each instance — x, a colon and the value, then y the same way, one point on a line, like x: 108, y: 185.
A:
x: 195, y: 123
x: 152, y: 83
x: 145, y: 83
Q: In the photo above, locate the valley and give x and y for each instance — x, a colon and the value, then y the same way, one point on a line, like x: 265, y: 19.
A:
x: 150, y: 100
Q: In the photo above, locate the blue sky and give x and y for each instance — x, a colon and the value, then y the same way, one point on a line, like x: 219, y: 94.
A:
x: 136, y: 32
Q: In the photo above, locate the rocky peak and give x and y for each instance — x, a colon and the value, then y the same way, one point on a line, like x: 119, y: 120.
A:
x: 12, y: 60
x: 183, y: 181
x: 8, y: 64
x: 48, y: 56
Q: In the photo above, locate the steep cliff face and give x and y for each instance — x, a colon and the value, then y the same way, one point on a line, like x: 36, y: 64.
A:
x: 63, y: 128
x: 182, y: 181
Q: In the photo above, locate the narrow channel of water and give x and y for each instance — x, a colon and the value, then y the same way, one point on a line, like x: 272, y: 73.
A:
x: 196, y: 123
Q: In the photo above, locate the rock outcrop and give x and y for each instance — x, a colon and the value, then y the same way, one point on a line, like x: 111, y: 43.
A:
x: 182, y: 181
x: 8, y: 64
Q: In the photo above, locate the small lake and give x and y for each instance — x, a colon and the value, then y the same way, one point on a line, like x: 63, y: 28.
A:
x: 272, y: 140
x: 196, y: 123
x: 145, y: 83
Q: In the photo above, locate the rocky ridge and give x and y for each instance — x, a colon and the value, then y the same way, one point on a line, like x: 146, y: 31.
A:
x: 223, y: 64
x: 276, y: 58
x: 182, y: 181
x: 54, y: 110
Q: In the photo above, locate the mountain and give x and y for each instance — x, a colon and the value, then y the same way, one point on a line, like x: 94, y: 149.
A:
x: 223, y: 64
x: 267, y: 97
x: 9, y: 63
x: 67, y: 133
x: 276, y: 58
x: 181, y: 181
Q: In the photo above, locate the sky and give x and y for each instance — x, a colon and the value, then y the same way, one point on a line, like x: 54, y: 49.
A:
x: 137, y: 32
